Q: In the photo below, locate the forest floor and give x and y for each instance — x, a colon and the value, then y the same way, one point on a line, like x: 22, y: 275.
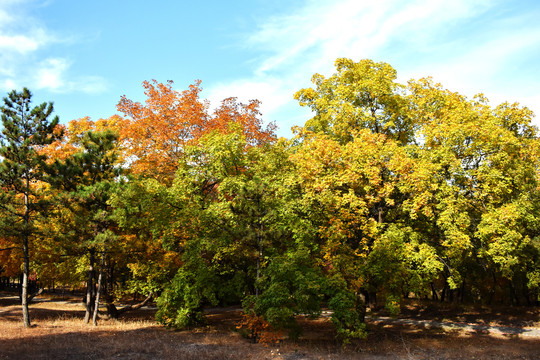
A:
x: 423, y: 330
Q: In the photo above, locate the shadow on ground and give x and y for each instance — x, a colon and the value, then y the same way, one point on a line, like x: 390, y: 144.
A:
x: 138, y: 337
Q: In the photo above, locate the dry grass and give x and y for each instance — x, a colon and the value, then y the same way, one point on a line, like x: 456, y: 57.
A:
x: 59, y: 333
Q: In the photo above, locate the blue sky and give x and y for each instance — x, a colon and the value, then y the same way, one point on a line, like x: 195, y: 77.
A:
x: 84, y: 55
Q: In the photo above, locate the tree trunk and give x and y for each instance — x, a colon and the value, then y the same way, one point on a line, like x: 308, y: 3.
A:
x: 90, y: 288
x: 527, y: 295
x: 259, y: 247
x: 38, y: 292
x: 514, y: 300
x: 26, y: 259
x: 434, y: 295
x: 361, y: 306
x: 109, y: 299
x: 258, y: 271
x: 24, y: 294
x: 100, y: 277
x: 492, y: 290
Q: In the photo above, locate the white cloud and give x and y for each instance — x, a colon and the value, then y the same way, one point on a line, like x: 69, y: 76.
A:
x: 50, y: 75
x: 488, y: 68
x: 26, y: 43
x: 353, y: 28
x: 455, y: 42
x: 26, y: 53
x: 8, y: 84
x: 20, y: 33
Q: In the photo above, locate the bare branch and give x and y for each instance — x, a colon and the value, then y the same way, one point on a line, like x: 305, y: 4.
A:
x: 136, y: 306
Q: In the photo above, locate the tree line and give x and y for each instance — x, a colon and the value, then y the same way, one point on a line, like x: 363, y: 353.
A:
x: 389, y: 191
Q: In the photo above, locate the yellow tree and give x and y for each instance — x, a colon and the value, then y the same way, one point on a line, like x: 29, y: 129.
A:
x: 480, y: 188
x: 360, y: 95
x: 462, y: 202
x: 346, y: 183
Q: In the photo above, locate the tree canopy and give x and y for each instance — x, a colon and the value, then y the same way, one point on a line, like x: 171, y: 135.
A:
x: 389, y: 191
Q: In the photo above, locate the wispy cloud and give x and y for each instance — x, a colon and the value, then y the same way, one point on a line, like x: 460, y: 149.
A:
x: 51, y: 75
x: 349, y: 28
x: 27, y: 57
x: 459, y: 41
x: 23, y: 44
x: 486, y: 65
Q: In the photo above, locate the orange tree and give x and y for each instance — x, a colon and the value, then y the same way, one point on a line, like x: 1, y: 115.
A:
x: 155, y: 133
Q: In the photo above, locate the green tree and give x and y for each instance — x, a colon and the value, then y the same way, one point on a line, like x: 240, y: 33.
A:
x: 233, y: 227
x: 23, y: 169
x: 220, y: 226
x: 144, y: 211
x: 87, y: 180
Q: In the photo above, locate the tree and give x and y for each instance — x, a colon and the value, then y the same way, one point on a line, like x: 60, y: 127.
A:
x: 218, y: 227
x: 479, y: 185
x: 22, y: 169
x: 417, y: 183
x: 88, y: 180
x: 353, y: 154
x: 156, y: 133
x: 143, y: 210
x: 70, y: 143
x: 91, y: 183
x: 360, y: 95
x: 231, y: 225
x: 347, y: 183
x: 420, y: 187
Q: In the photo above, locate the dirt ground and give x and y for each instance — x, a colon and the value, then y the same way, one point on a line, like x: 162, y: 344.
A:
x: 58, y: 332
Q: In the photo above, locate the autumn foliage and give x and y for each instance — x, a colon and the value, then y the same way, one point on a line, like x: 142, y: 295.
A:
x: 157, y: 131
x: 258, y: 330
x: 389, y: 191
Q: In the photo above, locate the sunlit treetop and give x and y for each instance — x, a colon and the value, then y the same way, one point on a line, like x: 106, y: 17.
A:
x: 359, y: 95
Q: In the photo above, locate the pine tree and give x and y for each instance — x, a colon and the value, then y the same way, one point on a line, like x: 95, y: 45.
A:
x: 22, y: 167
x: 87, y: 181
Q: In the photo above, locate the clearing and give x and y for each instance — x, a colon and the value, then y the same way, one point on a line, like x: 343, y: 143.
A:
x: 422, y: 331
